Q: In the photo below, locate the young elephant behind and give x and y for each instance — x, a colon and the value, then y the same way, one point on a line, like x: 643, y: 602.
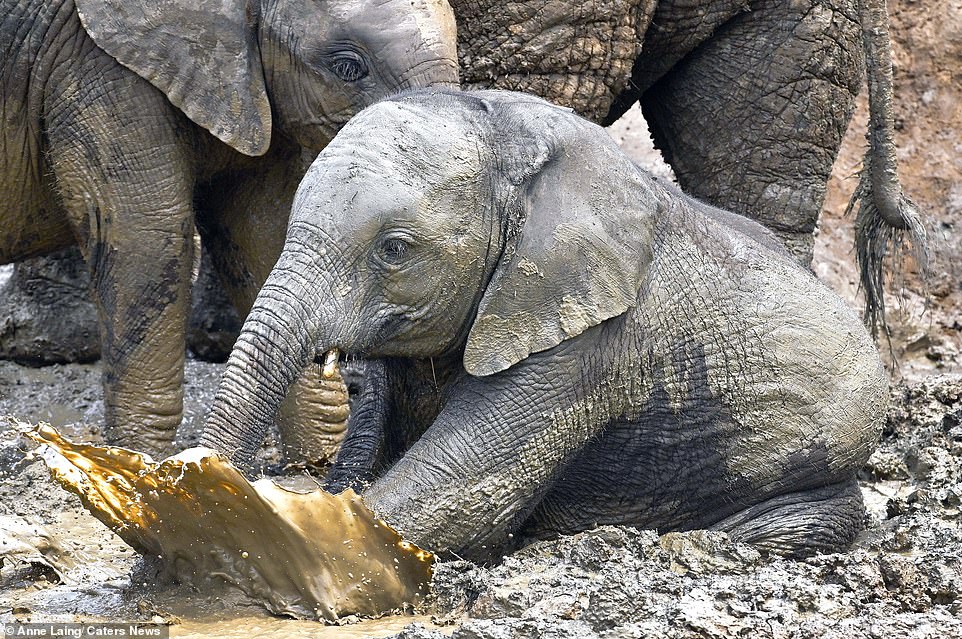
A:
x: 566, y: 341
x: 126, y: 124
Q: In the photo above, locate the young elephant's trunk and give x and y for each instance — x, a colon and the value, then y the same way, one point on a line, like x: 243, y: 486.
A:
x: 278, y: 340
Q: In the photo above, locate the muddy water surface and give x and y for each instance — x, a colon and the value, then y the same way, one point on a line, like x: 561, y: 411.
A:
x: 103, y: 578
x: 307, y: 554
x: 249, y: 627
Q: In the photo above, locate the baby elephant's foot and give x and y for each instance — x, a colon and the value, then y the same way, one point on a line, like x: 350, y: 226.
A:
x: 824, y: 519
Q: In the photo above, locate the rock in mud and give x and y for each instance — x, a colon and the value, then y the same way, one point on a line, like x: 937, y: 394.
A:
x: 46, y: 313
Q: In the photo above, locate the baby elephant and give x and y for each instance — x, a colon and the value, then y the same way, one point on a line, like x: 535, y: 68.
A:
x: 562, y: 340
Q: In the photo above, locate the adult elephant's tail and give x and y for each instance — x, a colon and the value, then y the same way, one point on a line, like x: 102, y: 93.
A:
x: 885, y: 213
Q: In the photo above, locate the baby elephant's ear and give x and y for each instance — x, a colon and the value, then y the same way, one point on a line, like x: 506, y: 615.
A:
x: 202, y: 54
x: 584, y: 250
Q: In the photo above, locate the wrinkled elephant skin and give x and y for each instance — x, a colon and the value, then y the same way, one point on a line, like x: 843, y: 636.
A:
x: 747, y: 99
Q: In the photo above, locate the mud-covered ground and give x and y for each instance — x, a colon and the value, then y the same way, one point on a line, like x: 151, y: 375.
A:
x: 903, y: 577
x: 59, y: 564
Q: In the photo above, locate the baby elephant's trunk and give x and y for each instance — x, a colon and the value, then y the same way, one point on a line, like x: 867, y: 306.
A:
x: 278, y: 340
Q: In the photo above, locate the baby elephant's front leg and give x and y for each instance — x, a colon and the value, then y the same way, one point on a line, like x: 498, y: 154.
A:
x: 478, y: 471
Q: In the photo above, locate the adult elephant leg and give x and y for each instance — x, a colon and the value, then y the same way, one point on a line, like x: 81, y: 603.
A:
x: 575, y: 54
x: 752, y: 119
x: 46, y: 313
x: 128, y: 190
x: 243, y: 224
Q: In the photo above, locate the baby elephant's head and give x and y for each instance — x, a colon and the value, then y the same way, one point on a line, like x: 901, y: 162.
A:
x: 489, y: 225
x: 491, y: 222
x: 397, y: 219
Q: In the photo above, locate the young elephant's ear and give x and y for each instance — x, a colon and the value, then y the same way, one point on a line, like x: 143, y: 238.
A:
x: 583, y: 252
x: 201, y: 53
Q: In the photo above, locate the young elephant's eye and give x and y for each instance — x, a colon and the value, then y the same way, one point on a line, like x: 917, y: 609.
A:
x: 348, y: 66
x: 393, y: 250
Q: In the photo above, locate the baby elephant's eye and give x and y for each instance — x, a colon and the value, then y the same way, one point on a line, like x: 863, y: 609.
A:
x: 348, y: 66
x: 393, y: 250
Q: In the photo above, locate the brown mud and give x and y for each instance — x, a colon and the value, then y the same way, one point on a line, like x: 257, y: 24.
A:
x: 59, y: 563
x: 903, y: 577
x: 303, y: 552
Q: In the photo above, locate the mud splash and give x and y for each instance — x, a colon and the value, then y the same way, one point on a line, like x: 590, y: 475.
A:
x: 308, y: 554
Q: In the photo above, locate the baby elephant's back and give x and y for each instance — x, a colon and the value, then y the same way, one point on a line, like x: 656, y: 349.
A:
x: 791, y: 364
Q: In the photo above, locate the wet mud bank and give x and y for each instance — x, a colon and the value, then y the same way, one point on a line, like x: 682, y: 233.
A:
x: 903, y: 577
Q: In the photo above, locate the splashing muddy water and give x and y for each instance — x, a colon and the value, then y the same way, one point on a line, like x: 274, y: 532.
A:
x: 308, y: 554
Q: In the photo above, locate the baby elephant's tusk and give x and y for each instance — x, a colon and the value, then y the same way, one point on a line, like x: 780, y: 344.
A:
x: 330, y: 363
